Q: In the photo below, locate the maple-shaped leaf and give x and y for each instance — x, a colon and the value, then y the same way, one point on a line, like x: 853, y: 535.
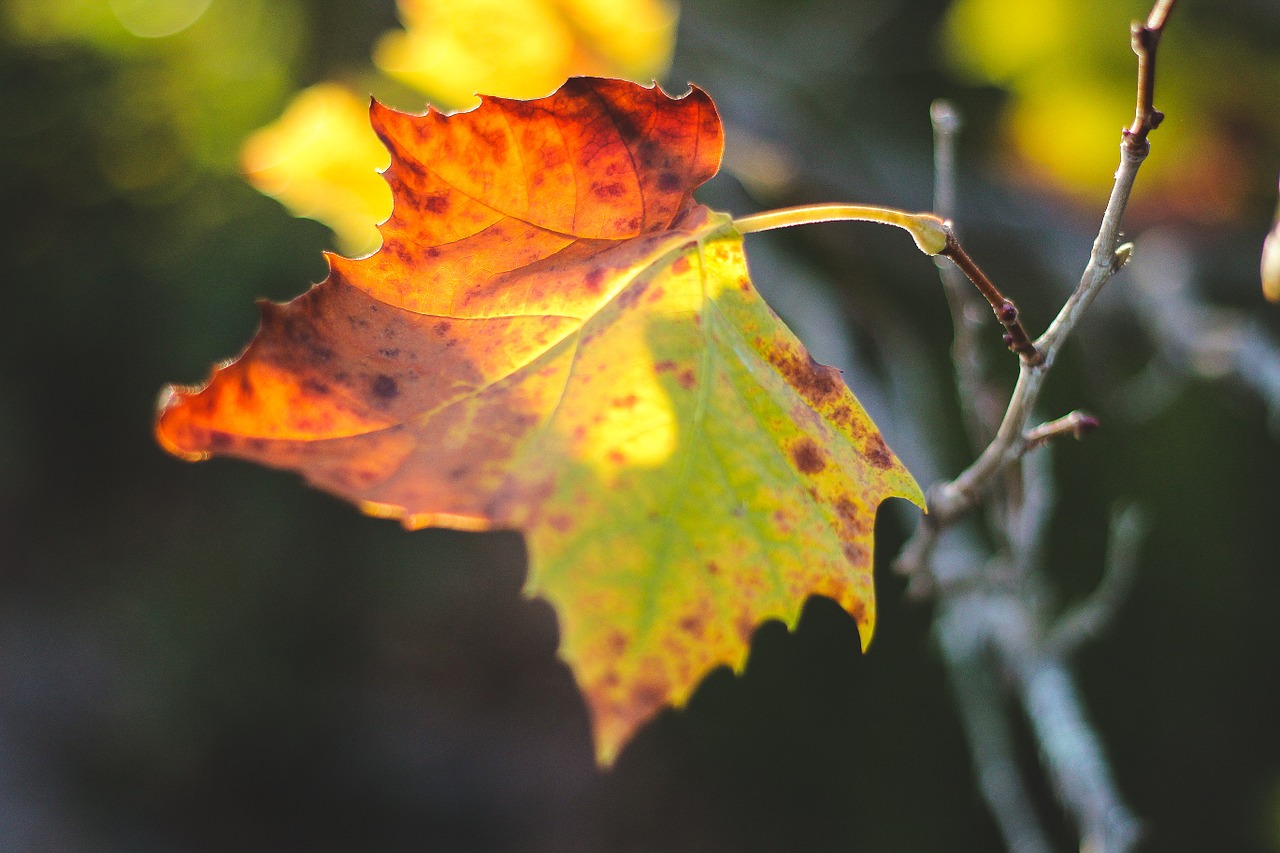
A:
x: 555, y: 338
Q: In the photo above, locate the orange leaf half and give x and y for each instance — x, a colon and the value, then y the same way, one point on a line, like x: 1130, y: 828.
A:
x: 556, y: 338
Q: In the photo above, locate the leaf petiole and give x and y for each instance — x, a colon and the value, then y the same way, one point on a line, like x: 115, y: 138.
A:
x: 930, y: 232
x: 933, y: 236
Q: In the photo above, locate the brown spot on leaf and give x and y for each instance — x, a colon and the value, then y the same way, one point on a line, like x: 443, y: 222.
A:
x: 315, y: 386
x: 647, y: 697
x: 782, y: 521
x: 681, y: 265
x: 695, y: 625
x: 669, y: 182
x: 877, y: 452
x: 852, y: 518
x: 627, y: 402
x: 562, y: 523
x: 614, y: 190
x: 808, y: 456
x: 631, y: 294
x: 385, y: 387
x: 713, y: 568
x: 815, y: 382
x: 858, y: 610
x: 594, y: 279
x: 665, y: 366
x: 855, y: 554
x: 687, y: 378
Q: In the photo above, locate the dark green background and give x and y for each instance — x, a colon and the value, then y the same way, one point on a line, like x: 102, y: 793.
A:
x: 214, y: 657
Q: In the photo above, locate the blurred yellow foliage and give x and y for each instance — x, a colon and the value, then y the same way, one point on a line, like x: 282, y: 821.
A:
x: 319, y: 158
x: 1071, y: 75
x: 452, y: 49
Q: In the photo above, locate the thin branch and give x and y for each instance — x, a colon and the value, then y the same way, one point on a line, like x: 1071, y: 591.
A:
x: 1091, y: 617
x: 949, y: 501
x: 981, y: 404
x: 1074, y: 756
x: 1076, y: 424
x: 976, y: 685
x: 1145, y: 38
x: 1015, y: 337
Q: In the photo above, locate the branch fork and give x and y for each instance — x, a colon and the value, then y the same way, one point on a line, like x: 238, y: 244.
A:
x: 992, y: 630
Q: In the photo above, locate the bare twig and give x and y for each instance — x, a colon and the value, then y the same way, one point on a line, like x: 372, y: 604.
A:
x: 979, y: 403
x: 1145, y: 39
x: 1091, y: 617
x: 994, y: 623
x: 963, y: 637
x: 1015, y: 337
x: 1073, y: 754
x: 1075, y: 424
x: 948, y: 501
x: 1196, y: 338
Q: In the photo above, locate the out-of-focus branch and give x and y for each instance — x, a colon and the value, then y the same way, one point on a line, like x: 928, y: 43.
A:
x: 949, y: 501
x: 1075, y: 424
x: 1198, y: 339
x: 963, y: 630
x: 1073, y: 755
x: 992, y: 629
x: 1092, y: 616
x: 979, y: 404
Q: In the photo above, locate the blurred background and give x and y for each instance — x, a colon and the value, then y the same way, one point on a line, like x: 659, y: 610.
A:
x: 214, y: 657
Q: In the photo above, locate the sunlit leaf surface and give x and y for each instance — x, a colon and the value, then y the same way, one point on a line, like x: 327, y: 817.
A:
x: 555, y: 338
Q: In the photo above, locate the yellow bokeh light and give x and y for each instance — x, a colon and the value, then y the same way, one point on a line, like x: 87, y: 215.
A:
x: 453, y: 49
x: 321, y: 160
x: 157, y: 18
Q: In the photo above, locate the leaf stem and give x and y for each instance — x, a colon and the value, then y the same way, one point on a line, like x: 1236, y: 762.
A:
x: 933, y: 236
x: 929, y: 231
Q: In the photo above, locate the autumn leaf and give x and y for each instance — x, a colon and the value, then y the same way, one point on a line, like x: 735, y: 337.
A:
x: 319, y: 159
x: 555, y: 338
